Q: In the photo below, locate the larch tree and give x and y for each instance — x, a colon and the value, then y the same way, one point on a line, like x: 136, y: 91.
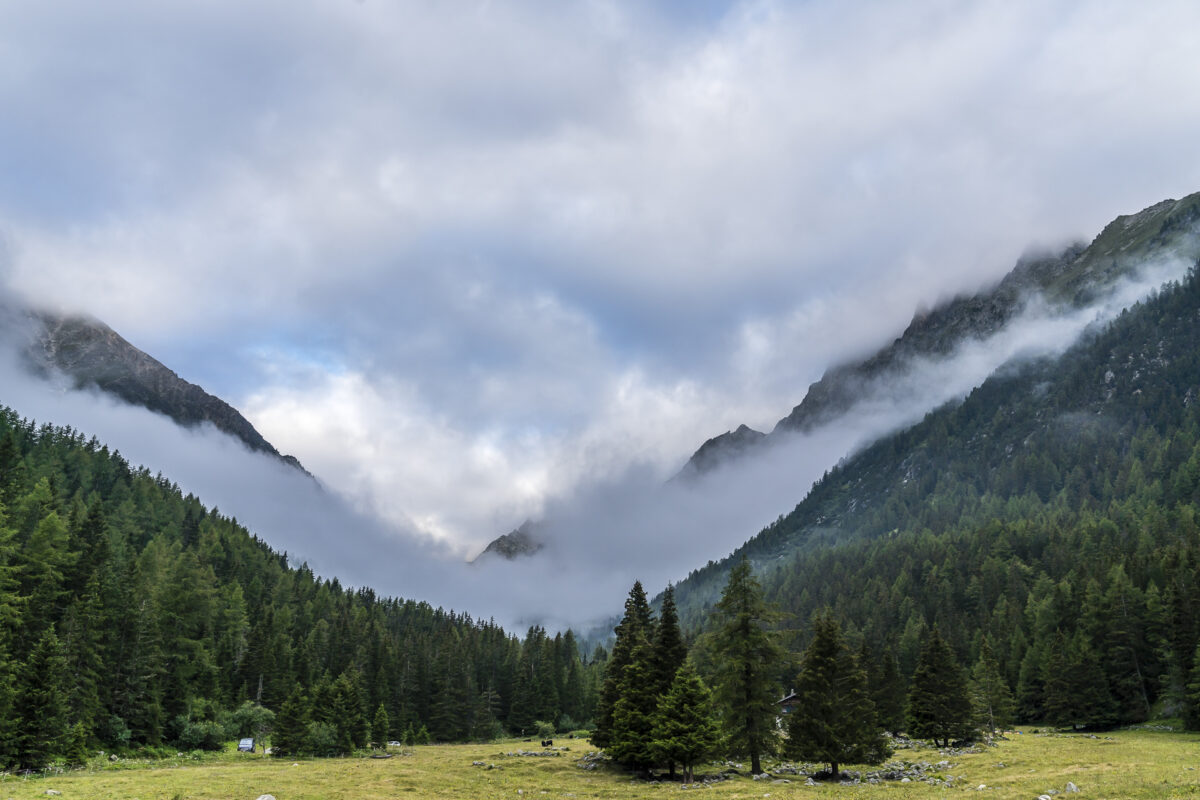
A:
x: 749, y: 657
x: 636, y: 625
x: 834, y: 720
x: 939, y: 706
x: 685, y: 729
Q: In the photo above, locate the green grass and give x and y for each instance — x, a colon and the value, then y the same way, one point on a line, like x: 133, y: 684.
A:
x: 1128, y: 764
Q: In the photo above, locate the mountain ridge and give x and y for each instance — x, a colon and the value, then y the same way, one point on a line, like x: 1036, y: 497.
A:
x: 90, y: 354
x: 1073, y: 278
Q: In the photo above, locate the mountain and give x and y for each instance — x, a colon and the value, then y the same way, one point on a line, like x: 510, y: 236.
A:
x: 1053, y: 514
x: 91, y: 354
x: 514, y: 544
x: 1075, y: 278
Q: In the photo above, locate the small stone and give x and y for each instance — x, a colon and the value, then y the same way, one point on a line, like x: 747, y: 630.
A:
x: 981, y: 787
x: 810, y: 782
x: 266, y: 797
x: 53, y: 792
x: 1071, y: 788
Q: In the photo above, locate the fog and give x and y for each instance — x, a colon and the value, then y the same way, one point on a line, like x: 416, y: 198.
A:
x: 600, y: 537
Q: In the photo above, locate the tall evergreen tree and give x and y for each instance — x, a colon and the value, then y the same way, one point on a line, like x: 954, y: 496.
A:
x: 669, y: 649
x: 749, y: 656
x: 636, y: 625
x: 834, y: 720
x: 939, y: 706
x: 41, y: 704
x: 685, y: 727
x: 631, y: 738
x: 888, y: 695
x: 990, y: 695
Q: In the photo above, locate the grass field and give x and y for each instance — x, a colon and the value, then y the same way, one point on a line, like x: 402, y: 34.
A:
x: 1126, y: 764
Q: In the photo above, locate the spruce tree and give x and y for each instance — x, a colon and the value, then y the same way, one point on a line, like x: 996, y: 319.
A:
x: 379, y: 727
x: 834, y: 720
x: 939, y: 706
x: 41, y: 704
x: 637, y: 624
x: 290, y: 736
x: 632, y: 734
x: 888, y: 695
x: 669, y: 649
x: 685, y: 728
x: 990, y: 695
x: 749, y: 656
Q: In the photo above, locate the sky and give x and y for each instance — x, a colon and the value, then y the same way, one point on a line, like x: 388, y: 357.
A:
x: 474, y: 263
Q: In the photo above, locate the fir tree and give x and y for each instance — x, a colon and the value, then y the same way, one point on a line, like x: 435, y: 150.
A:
x: 834, y: 720
x: 749, y: 655
x: 379, y: 727
x: 939, y: 706
x: 669, y: 649
x: 41, y: 707
x: 685, y: 729
x: 636, y: 625
x: 290, y: 737
x: 632, y: 734
x: 887, y: 694
x: 990, y: 695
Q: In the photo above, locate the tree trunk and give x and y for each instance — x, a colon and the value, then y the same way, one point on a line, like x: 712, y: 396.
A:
x: 833, y: 769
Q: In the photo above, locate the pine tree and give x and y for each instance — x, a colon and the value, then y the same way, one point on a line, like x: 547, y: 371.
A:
x: 990, y: 695
x: 41, y: 705
x: 632, y: 734
x: 834, y: 720
x: 291, y: 733
x: 749, y: 656
x: 939, y: 706
x: 685, y: 728
x: 669, y: 649
x: 637, y: 624
x: 379, y: 727
x: 1191, y: 707
x: 888, y: 695
x: 1077, y: 694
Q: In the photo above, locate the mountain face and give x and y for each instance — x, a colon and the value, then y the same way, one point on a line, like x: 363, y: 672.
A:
x: 1110, y: 428
x: 91, y: 354
x: 512, y: 545
x: 1072, y: 279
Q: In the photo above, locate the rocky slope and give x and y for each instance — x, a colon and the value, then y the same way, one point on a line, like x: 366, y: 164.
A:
x: 91, y: 354
x: 1074, y: 278
x: 515, y: 544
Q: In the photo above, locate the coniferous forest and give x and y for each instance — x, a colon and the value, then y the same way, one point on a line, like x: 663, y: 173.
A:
x: 131, y: 617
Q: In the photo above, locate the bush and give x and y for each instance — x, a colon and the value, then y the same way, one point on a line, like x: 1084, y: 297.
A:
x: 114, y: 733
x: 323, y: 739
x: 203, y: 735
x: 545, y: 730
x: 250, y: 719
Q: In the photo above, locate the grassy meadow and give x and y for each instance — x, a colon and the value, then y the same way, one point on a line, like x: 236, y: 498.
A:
x: 1126, y: 764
